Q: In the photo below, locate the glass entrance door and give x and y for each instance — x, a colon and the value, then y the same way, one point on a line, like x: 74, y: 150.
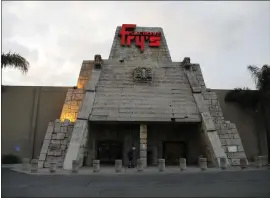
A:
x: 109, y: 151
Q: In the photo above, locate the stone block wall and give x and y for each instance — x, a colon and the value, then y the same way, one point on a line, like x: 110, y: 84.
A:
x: 72, y: 104
x: 55, y: 143
x: 85, y: 73
x: 75, y: 96
x: 226, y: 130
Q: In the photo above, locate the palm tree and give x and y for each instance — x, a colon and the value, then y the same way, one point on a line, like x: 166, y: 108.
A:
x: 14, y: 60
x: 258, y: 99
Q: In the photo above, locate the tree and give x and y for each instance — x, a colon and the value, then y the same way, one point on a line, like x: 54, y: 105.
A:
x: 14, y: 60
x: 258, y: 99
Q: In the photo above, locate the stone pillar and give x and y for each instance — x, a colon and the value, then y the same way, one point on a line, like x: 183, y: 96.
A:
x: 118, y: 166
x: 143, y: 144
x: 161, y: 165
x: 183, y: 164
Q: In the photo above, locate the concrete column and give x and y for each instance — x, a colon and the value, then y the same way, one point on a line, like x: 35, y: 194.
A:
x: 143, y: 144
x: 34, y: 121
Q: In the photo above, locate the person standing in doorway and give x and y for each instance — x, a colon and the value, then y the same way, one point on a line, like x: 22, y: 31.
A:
x: 131, y: 157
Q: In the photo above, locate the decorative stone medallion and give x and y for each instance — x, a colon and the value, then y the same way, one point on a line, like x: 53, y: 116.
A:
x: 142, y: 74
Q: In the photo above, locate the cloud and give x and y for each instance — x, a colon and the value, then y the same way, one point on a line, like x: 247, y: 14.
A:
x: 223, y: 37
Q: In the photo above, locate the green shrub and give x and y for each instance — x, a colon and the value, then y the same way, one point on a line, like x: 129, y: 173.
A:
x: 10, y: 159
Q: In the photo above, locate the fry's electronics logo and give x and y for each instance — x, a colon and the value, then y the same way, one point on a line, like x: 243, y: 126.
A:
x: 127, y: 35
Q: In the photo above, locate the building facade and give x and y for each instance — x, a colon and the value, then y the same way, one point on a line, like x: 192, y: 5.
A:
x: 137, y: 97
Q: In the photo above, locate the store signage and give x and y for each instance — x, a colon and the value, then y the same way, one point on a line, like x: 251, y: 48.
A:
x: 128, y: 34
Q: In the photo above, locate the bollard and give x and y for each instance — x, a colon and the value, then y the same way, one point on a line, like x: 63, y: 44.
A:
x: 223, y: 163
x: 96, y: 165
x: 161, y: 165
x: 118, y: 166
x: 183, y: 164
x: 259, y: 161
x: 265, y: 160
x: 53, y: 166
x: 34, y: 165
x: 139, y: 165
x: 203, y: 163
x: 25, y: 164
x: 243, y: 163
x: 75, y: 166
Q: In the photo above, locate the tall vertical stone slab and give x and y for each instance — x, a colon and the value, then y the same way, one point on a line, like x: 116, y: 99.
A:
x: 143, y: 144
x: 80, y: 132
x: 76, y: 143
x: 208, y: 126
x: 88, y: 101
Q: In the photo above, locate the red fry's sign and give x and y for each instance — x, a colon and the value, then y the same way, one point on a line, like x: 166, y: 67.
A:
x: 127, y: 35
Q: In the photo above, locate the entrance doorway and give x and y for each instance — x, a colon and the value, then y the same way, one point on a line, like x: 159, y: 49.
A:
x: 173, y: 151
x: 109, y: 151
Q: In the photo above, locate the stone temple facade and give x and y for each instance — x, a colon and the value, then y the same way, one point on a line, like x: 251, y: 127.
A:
x: 140, y: 99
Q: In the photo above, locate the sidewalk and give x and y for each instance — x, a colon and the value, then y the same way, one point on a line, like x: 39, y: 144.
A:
x: 109, y: 170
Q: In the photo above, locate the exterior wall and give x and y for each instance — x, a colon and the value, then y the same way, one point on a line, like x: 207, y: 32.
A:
x: 118, y: 97
x: 26, y: 112
x: 249, y: 124
x: 18, y: 106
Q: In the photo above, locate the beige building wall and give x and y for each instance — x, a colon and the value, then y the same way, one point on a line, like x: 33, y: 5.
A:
x: 26, y: 112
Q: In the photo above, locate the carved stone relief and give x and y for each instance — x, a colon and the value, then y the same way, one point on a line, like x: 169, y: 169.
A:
x: 142, y: 74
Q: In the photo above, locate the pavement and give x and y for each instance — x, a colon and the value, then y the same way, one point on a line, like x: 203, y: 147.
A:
x: 110, y: 170
x: 210, y: 183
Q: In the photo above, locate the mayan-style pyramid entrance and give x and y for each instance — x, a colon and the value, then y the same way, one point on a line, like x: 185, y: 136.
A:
x: 147, y: 97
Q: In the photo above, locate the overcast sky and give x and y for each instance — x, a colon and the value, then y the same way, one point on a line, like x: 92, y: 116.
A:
x: 55, y: 37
